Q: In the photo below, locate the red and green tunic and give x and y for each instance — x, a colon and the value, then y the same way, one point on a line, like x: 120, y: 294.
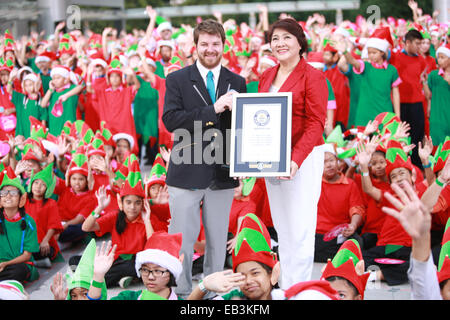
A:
x: 376, y: 83
x: 54, y: 123
x: 24, y: 109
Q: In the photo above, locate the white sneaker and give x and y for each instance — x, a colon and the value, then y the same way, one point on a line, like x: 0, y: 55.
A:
x: 43, y: 263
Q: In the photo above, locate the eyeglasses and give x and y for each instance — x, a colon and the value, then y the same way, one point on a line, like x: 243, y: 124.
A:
x: 13, y: 193
x: 156, y: 273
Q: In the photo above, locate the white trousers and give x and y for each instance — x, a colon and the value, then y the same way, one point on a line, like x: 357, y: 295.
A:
x: 293, y: 205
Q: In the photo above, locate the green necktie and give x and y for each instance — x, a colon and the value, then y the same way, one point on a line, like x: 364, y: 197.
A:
x: 210, y: 86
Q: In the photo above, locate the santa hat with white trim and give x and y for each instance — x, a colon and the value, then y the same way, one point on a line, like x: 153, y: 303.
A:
x: 311, y: 290
x: 47, y: 56
x: 380, y: 39
x: 162, y: 249
x: 61, y: 70
x: 444, y: 50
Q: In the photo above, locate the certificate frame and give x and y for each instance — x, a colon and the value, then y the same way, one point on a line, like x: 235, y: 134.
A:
x: 249, y: 141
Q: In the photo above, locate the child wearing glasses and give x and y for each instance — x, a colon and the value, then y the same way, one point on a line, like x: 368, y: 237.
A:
x: 158, y: 265
x: 18, y: 235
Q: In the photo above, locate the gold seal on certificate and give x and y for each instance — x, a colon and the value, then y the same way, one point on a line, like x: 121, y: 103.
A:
x: 261, y: 134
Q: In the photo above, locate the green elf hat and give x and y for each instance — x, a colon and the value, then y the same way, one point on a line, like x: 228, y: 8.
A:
x: 9, y: 178
x: 64, y: 45
x: 158, y: 172
x: 133, y: 184
x: 121, y: 172
x: 336, y: 137
x: 107, y: 134
x: 179, y: 32
x: 386, y: 118
x: 344, y: 263
x: 148, y: 295
x: 82, y: 277
x: 441, y: 155
x: 248, y: 185
x: 443, y: 272
x: 78, y: 164
x: 243, y: 53
x: 253, y: 243
x: 115, y: 66
x: 67, y: 128
x: 37, y: 128
x: 95, y: 147
x: 7, y: 65
x: 396, y: 157
x: 82, y: 130
x: 47, y: 176
x: 132, y: 50
x: 8, y: 42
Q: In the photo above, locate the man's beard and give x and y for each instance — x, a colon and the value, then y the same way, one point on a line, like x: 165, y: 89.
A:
x: 214, y: 64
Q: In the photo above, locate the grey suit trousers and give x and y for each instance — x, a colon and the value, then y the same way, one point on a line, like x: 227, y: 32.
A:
x: 185, y: 218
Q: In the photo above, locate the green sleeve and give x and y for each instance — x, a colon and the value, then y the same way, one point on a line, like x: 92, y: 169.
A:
x: 127, y: 295
x: 330, y: 91
x: 430, y: 80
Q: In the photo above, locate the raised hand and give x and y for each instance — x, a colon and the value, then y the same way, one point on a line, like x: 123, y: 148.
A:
x: 223, y: 281
x: 58, y: 287
x: 104, y: 258
x: 425, y: 149
x: 411, y: 212
x: 362, y: 154
x: 103, y: 199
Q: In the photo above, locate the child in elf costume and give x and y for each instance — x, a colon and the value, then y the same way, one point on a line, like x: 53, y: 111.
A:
x: 159, y: 266
x: 18, y: 232
x: 75, y: 198
x: 61, y: 99
x: 346, y: 272
x: 156, y: 191
x: 393, y: 242
x: 438, y: 86
x: 340, y: 203
x: 427, y: 283
x: 130, y: 226
x: 79, y: 281
x: 27, y: 104
x: 45, y: 213
x: 254, y: 266
x: 378, y: 78
x: 113, y: 101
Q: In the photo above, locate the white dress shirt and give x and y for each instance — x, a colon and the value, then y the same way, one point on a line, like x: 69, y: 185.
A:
x: 204, y: 71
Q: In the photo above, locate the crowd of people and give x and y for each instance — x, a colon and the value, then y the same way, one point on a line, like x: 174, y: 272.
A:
x: 82, y: 113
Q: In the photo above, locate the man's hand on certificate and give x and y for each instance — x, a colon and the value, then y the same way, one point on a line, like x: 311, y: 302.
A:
x: 294, y: 169
x: 225, y: 102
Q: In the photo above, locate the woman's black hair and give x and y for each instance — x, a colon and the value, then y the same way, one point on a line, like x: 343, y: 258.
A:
x: 351, y: 285
x: 172, y: 282
x: 291, y: 26
x: 121, y: 223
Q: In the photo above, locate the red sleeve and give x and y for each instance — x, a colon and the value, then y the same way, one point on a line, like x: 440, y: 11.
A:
x: 60, y: 186
x: 106, y: 223
x: 162, y: 211
x: 53, y: 218
x: 90, y: 204
x: 356, y: 201
x: 316, y: 101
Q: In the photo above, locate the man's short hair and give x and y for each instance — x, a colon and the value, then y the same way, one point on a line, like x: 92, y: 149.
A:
x: 412, y: 35
x: 209, y: 26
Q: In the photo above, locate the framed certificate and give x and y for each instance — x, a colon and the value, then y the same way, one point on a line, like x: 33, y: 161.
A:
x: 261, y: 134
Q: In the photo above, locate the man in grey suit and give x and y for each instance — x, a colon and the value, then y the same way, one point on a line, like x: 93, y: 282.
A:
x: 197, y: 105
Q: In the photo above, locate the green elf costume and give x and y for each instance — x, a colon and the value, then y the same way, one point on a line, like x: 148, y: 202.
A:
x: 59, y: 112
x: 82, y: 277
x: 17, y: 235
